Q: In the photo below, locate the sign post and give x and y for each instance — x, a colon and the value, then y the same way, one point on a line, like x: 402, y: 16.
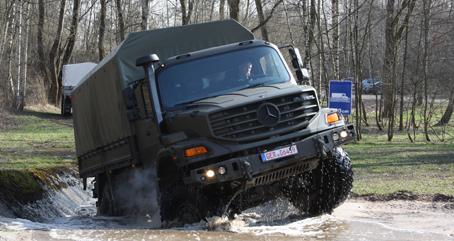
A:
x: 340, y: 96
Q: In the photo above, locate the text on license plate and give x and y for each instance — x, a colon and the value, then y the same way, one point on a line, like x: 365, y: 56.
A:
x: 279, y: 153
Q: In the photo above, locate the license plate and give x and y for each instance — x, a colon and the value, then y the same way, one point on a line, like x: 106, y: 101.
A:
x: 279, y: 153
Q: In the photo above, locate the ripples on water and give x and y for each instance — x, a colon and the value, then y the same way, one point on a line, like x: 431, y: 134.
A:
x: 277, y: 220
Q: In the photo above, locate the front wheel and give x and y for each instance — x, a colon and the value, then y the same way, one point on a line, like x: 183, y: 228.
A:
x: 185, y: 204
x: 327, y: 186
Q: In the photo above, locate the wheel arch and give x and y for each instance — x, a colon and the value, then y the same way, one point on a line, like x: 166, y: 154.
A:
x: 166, y: 171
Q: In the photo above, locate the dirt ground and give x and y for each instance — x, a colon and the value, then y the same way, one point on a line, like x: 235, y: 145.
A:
x: 402, y: 214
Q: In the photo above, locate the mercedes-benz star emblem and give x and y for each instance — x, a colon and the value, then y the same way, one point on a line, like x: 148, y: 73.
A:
x: 268, y: 114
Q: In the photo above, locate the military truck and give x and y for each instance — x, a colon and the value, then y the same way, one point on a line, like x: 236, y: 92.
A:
x: 159, y: 123
x: 70, y: 76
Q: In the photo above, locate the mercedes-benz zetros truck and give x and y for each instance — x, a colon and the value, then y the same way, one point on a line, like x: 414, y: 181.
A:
x: 165, y: 121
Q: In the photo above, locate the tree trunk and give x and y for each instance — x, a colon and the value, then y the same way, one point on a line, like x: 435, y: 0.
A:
x: 222, y: 10
x: 18, y: 50
x: 6, y: 53
x: 449, y: 109
x: 310, y: 38
x: 269, y: 17
x: 102, y: 29
x: 393, y: 33
x: 6, y: 29
x: 121, y: 21
x: 234, y: 6
x: 186, y: 11
x: 427, y: 8
x: 261, y: 16
x: 335, y: 26
x: 145, y: 11
x: 42, y: 57
x: 24, y: 75
x: 401, y: 107
x: 53, y: 57
x: 72, y: 34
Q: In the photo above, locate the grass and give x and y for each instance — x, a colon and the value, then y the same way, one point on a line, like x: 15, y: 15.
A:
x: 35, y: 138
x: 381, y: 166
x: 385, y: 167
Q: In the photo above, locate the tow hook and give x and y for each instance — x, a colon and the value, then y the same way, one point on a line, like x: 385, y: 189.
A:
x: 320, y: 146
x: 246, y: 168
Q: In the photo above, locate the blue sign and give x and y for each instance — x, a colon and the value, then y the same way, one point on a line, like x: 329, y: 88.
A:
x: 340, y: 96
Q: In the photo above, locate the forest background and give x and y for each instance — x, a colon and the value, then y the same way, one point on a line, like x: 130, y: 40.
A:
x: 406, y: 43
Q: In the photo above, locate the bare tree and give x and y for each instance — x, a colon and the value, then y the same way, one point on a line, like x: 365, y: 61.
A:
x: 288, y: 24
x: 145, y: 12
x: 121, y: 21
x: 41, y: 53
x: 102, y: 29
x: 449, y: 109
x: 401, y: 106
x: 72, y: 33
x: 258, y: 4
x: 393, y: 33
x: 24, y: 74
x: 426, y: 20
x: 309, y: 30
x: 186, y: 10
x: 273, y: 9
x: 18, y: 50
x: 335, y: 36
x: 222, y: 9
x: 54, y: 54
x: 234, y: 6
x: 7, y: 50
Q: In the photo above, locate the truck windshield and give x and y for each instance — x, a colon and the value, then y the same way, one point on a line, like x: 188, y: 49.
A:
x: 220, y: 74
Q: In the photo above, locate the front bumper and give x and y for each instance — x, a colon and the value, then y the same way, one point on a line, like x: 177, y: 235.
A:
x: 258, y: 172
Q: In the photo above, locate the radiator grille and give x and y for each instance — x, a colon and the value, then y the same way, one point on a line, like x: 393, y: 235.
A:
x: 288, y: 172
x: 242, y: 123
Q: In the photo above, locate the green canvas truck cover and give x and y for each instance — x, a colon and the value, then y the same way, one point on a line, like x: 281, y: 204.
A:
x: 99, y: 111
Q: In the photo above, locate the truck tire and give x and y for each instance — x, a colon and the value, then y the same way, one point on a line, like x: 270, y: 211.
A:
x: 106, y: 207
x: 327, y: 186
x: 183, y: 204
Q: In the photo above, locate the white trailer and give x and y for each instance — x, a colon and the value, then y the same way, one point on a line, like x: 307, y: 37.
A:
x: 71, y: 75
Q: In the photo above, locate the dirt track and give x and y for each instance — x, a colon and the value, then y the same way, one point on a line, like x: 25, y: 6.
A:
x: 402, y: 214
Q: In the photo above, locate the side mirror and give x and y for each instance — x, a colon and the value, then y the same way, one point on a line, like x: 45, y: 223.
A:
x: 297, y: 61
x: 306, y: 74
x: 129, y: 97
x: 302, y: 74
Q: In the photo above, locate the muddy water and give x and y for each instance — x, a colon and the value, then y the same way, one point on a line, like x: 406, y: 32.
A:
x: 275, y: 221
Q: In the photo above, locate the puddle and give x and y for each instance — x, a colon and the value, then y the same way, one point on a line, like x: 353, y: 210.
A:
x: 277, y: 220
x: 326, y: 227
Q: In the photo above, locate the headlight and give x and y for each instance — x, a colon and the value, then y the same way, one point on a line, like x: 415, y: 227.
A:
x: 210, y: 173
x: 344, y: 134
x: 222, y: 170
